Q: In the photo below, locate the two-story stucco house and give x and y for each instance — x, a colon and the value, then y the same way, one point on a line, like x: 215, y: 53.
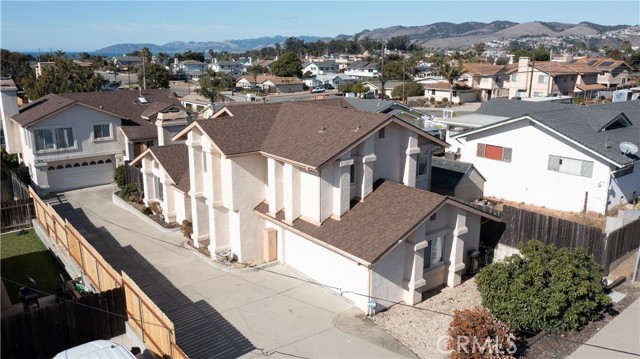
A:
x: 76, y: 140
x: 488, y: 79
x: 565, y: 157
x: 320, y: 67
x: 338, y: 194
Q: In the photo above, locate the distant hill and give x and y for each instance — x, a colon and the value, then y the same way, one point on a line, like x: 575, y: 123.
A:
x: 437, y: 35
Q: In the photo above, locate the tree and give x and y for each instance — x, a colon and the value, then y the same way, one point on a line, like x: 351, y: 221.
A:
x: 294, y: 45
x: 15, y: 65
x: 162, y: 57
x: 157, y: 76
x: 476, y: 334
x: 256, y: 70
x: 64, y: 77
x: 408, y: 89
x: 354, y: 87
x: 211, y: 55
x: 394, y: 70
x: 451, y: 73
x: 479, y: 48
x: 211, y: 87
x: 278, y: 49
x: 547, y: 288
x: 288, y: 65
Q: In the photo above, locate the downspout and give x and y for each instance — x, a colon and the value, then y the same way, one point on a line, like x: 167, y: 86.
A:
x: 371, y: 310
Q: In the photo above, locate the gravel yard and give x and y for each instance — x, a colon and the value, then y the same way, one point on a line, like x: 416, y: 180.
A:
x: 419, y: 330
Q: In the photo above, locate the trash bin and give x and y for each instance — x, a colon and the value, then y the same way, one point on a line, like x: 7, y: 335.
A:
x: 474, y: 261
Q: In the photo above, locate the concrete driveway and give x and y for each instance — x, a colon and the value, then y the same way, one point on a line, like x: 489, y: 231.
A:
x: 218, y: 312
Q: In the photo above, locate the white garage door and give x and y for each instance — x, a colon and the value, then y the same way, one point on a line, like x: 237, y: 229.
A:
x: 86, y: 173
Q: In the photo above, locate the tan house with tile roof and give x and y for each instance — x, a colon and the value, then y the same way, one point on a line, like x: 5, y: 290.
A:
x: 76, y: 140
x: 488, y: 79
x: 272, y: 84
x: 338, y: 194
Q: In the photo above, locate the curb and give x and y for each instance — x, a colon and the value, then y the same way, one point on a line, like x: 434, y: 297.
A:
x: 223, y: 267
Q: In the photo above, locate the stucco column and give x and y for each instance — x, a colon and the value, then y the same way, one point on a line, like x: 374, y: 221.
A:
x: 41, y: 177
x: 367, y: 168
x: 272, y: 188
x: 291, y: 193
x: 416, y: 272
x: 342, y: 187
x: 456, y: 256
x: 411, y: 159
x: 195, y: 168
x: 213, y: 243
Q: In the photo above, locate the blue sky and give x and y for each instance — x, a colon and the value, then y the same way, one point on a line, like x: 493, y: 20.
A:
x: 91, y: 25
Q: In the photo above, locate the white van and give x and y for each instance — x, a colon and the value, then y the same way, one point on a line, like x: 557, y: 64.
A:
x: 101, y: 349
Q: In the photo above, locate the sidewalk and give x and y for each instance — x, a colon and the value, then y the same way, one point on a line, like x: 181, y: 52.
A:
x: 620, y: 337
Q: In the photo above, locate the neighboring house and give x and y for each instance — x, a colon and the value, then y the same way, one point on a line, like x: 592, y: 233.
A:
x: 264, y: 63
x: 375, y: 87
x: 568, y: 158
x: 274, y: 84
x: 126, y: 61
x: 8, y: 107
x: 165, y: 178
x: 233, y: 67
x: 192, y: 69
x: 611, y: 73
x: 331, y: 79
x: 328, y: 190
x: 488, y: 79
x: 460, y: 92
x: 362, y: 70
x: 457, y: 179
x: 311, y: 82
x: 320, y: 67
x: 75, y: 140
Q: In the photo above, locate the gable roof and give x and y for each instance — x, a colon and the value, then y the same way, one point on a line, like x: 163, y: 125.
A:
x: 447, y: 173
x: 479, y: 69
x: 376, y: 224
x: 306, y: 133
x: 174, y: 159
x: 584, y: 126
x: 123, y: 103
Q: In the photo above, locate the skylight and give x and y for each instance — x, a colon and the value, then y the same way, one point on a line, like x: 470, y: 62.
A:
x: 143, y: 100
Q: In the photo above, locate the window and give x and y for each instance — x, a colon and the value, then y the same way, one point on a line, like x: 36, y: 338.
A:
x: 2, y: 137
x: 433, y: 92
x: 381, y: 133
x: 494, y: 152
x: 538, y: 94
x: 570, y: 166
x: 421, y: 166
x: 204, y: 161
x: 352, y: 174
x: 543, y: 79
x: 101, y: 132
x: 49, y: 139
x: 159, y: 190
x: 434, y: 253
x: 514, y: 77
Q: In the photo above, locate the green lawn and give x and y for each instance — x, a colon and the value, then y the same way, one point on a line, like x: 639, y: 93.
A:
x: 22, y: 255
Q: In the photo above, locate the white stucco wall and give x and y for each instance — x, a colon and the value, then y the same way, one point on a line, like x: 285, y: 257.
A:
x: 470, y: 187
x: 327, y: 267
x: 390, y: 152
x: 623, y: 188
x: 527, y: 177
x: 389, y: 275
x: 310, y: 195
x: 8, y: 108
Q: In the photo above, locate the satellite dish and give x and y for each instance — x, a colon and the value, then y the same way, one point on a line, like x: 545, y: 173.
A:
x: 628, y: 147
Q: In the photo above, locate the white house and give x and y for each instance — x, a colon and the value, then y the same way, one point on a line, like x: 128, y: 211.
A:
x: 362, y: 70
x: 568, y: 158
x: 76, y: 140
x: 320, y: 67
x: 234, y: 67
x: 338, y: 194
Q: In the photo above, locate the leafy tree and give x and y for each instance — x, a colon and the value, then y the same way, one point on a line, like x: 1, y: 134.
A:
x: 278, y: 49
x: 451, y: 73
x: 191, y: 55
x: 479, y: 48
x: 398, y: 43
x: 287, y: 65
x: 211, y: 87
x: 354, y: 87
x: 394, y: 70
x: 410, y: 89
x: 64, y: 77
x: 476, y: 334
x: 256, y: 70
x: 162, y: 57
x: 307, y: 74
x: 11, y: 160
x: 15, y: 65
x: 294, y: 45
x: 547, y: 288
x: 541, y: 54
x: 157, y: 76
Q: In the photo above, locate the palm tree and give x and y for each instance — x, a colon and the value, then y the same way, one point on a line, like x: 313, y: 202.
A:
x: 211, y: 54
x: 145, y: 56
x: 161, y: 57
x: 451, y: 73
x: 277, y: 49
x: 256, y: 70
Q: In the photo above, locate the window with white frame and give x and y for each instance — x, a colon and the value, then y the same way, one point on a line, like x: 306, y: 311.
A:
x: 434, y: 253
x: 570, y: 166
x: 514, y: 77
x: 158, y: 188
x: 422, y: 165
x: 102, y: 132
x: 53, y: 138
x: 542, y: 79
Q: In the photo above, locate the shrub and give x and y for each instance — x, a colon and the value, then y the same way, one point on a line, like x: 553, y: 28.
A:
x: 120, y: 177
x: 432, y: 100
x: 129, y: 192
x: 475, y: 333
x: 445, y: 100
x: 147, y: 210
x: 156, y: 208
x: 187, y: 228
x: 547, y: 288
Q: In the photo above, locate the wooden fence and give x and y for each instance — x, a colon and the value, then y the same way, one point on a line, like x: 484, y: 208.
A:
x: 47, y: 331
x: 151, y: 324
x: 16, y: 204
x: 519, y: 225
x: 133, y: 175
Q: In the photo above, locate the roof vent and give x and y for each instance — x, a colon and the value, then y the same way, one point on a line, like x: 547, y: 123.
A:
x: 143, y: 100
x: 357, y: 128
x: 321, y: 129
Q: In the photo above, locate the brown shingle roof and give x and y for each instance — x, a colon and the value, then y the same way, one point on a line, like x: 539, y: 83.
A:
x: 175, y: 161
x: 304, y: 132
x: 42, y: 108
x: 374, y: 225
x: 482, y: 69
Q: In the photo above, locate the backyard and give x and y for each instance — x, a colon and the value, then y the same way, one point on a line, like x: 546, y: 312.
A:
x: 23, y: 254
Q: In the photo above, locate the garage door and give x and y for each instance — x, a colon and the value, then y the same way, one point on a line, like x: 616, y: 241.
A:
x: 87, y: 173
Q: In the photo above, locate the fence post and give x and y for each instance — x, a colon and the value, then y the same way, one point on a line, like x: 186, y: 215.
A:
x: 66, y: 236
x: 98, y: 274
x: 170, y: 332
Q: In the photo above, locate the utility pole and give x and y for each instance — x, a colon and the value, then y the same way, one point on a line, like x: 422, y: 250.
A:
x: 382, y: 72
x: 533, y: 67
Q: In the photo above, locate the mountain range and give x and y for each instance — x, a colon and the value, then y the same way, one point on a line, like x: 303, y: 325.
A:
x: 437, y: 35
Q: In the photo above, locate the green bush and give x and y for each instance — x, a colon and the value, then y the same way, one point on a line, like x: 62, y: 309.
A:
x: 547, y: 288
x: 120, y: 177
x: 147, y: 211
x: 129, y: 192
x: 476, y: 334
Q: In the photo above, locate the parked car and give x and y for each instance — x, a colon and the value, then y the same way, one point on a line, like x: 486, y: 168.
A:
x: 99, y: 349
x: 328, y: 86
x: 318, y: 89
